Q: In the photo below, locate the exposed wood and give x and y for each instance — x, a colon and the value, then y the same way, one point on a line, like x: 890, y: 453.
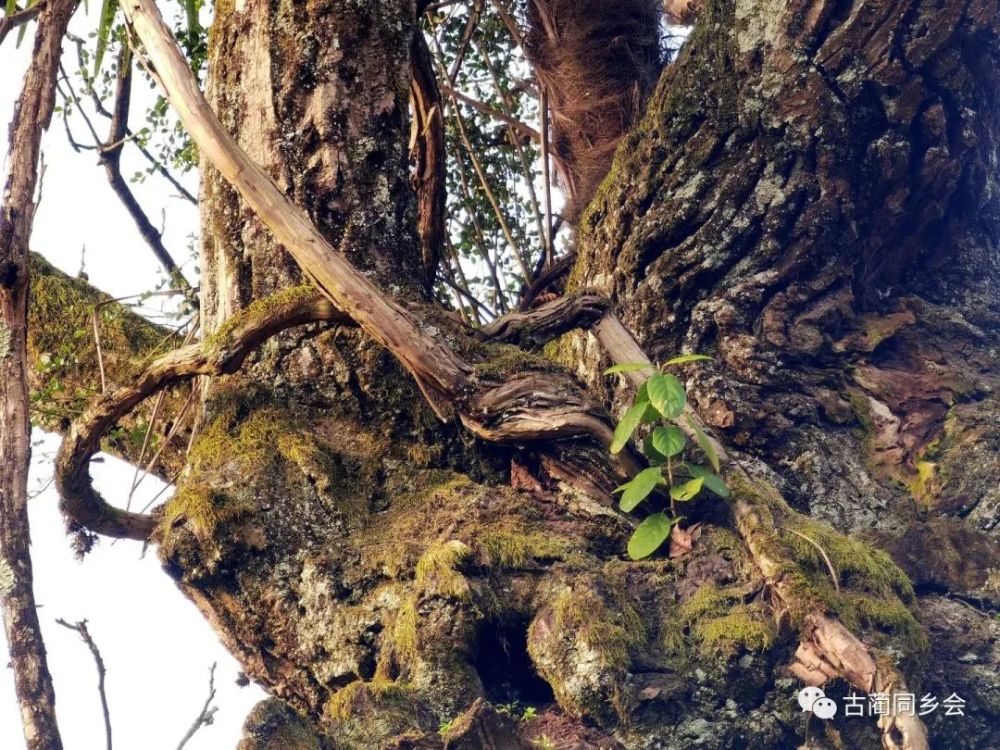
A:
x: 32, y: 681
x: 547, y: 322
x: 428, y: 157
x: 439, y: 373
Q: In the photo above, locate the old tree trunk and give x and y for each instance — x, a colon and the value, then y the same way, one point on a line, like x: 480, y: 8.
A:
x: 811, y: 198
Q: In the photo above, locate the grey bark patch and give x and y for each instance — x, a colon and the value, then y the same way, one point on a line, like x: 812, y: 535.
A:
x: 4, y: 341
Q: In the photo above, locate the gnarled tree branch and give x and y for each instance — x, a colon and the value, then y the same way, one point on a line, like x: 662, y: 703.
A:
x: 534, y: 329
x: 222, y: 354
x: 441, y: 375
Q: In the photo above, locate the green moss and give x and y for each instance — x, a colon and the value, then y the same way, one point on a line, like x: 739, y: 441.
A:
x: 501, y: 361
x: 259, y: 448
x: 722, y: 623
x: 922, y: 486
x: 62, y: 350
x: 202, y: 510
x: 872, y: 596
x: 437, y: 570
x: 862, y: 411
x: 260, y: 310
x: 359, y: 696
x: 614, y: 632
x: 515, y: 549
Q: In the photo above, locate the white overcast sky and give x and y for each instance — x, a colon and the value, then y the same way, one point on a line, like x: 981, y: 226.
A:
x: 157, y: 647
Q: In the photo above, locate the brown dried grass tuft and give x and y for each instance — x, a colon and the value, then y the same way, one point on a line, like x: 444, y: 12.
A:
x: 598, y: 61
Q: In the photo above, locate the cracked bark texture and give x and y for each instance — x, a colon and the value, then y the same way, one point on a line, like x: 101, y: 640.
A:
x: 810, y: 197
x: 820, y: 214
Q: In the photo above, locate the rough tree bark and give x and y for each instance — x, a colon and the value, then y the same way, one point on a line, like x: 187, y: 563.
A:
x: 810, y: 197
x: 32, y: 681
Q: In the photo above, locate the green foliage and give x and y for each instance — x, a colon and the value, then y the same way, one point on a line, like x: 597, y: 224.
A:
x: 667, y: 395
x: 650, y: 534
x: 637, y: 490
x: 489, y: 68
x: 628, y: 424
x: 109, y: 9
x: 660, y: 400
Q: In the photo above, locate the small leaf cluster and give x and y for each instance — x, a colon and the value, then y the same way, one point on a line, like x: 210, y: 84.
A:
x: 660, y: 403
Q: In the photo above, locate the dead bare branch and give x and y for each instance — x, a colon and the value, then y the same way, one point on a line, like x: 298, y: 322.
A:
x: 81, y: 629
x: 440, y: 374
x: 207, y: 714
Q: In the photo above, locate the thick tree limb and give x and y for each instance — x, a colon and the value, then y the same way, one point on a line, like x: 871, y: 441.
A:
x: 222, y: 354
x: 441, y: 374
x: 32, y: 681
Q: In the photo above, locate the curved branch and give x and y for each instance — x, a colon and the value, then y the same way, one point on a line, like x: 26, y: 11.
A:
x: 223, y: 354
x: 546, y: 322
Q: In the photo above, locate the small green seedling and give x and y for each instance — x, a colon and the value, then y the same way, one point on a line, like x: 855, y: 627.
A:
x: 660, y: 404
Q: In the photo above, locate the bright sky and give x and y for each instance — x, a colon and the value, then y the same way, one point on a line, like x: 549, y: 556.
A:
x: 156, y: 646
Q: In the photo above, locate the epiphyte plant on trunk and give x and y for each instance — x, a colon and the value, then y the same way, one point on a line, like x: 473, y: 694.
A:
x: 660, y: 403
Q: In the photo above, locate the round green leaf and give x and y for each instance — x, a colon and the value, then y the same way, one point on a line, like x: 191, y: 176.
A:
x: 713, y: 482
x: 638, y: 489
x: 687, y: 491
x: 666, y: 394
x: 624, y: 429
x: 668, y: 441
x: 649, y: 535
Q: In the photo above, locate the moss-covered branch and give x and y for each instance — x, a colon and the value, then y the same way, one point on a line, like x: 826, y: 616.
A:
x: 221, y: 354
